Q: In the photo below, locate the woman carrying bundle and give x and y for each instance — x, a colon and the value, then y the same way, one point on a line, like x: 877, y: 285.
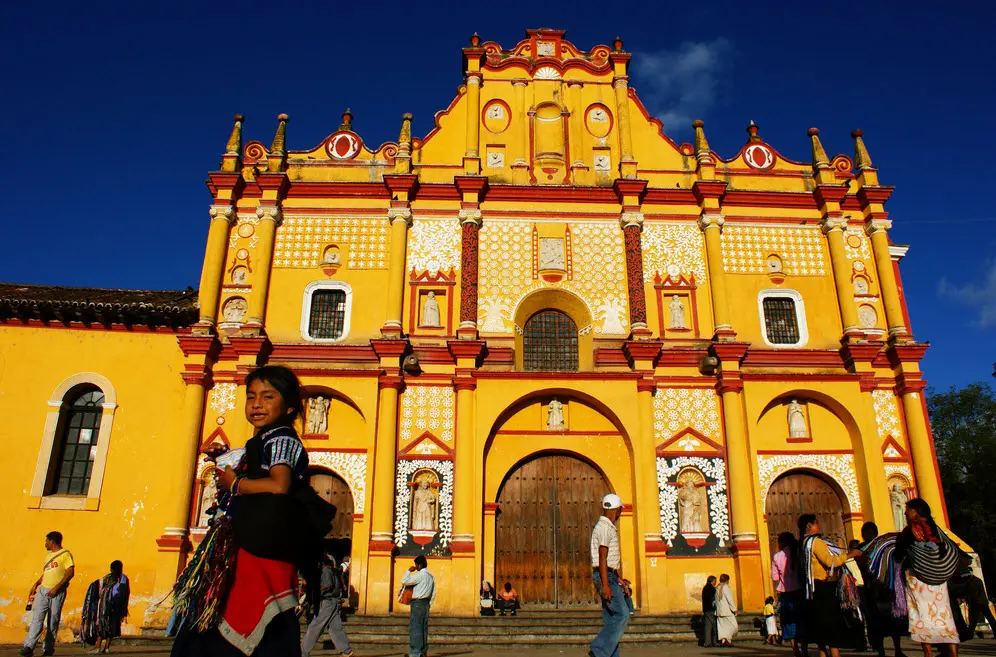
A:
x: 239, y: 594
x: 824, y: 621
x: 105, y: 608
x: 930, y: 558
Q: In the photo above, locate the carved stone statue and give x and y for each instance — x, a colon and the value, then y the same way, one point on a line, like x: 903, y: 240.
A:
x: 423, y: 508
x: 551, y: 254
x: 209, y: 493
x: 797, y: 420
x: 331, y: 257
x: 430, y: 311
x: 690, y: 507
x: 235, y: 309
x: 555, y: 416
x: 318, y: 415
x: 897, y: 498
x: 677, y: 310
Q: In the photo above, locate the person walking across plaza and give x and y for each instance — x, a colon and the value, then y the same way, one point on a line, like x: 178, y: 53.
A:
x: 423, y: 597
x: 606, y: 563
x: 709, y: 631
x: 329, y: 616
x: 726, y: 612
x: 48, y: 595
x: 788, y: 586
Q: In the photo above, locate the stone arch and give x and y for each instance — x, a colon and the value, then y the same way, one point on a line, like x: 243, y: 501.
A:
x: 567, y: 302
x: 846, y: 488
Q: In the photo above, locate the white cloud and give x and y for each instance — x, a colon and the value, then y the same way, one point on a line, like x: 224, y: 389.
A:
x: 679, y: 85
x: 982, y: 296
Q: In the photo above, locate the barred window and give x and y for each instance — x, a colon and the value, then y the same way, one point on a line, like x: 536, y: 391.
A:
x: 781, y: 323
x: 550, y: 343
x: 77, y: 446
x: 328, y: 314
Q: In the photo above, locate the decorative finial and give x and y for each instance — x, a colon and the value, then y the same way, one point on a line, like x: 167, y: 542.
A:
x: 861, y: 158
x: 475, y: 40
x: 277, y: 148
x: 617, y: 44
x: 701, y: 145
x: 235, y: 140
x: 347, y: 120
x: 406, y: 130
x: 820, y: 160
x: 752, y: 131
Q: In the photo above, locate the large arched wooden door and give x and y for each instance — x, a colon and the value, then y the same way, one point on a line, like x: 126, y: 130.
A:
x: 796, y: 493
x: 333, y: 489
x: 547, y: 508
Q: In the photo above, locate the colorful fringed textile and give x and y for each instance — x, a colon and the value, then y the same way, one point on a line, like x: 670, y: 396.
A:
x: 881, y: 555
x: 88, y: 618
x: 807, y: 560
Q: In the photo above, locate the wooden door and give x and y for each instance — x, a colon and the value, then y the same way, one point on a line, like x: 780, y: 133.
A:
x: 796, y: 493
x: 547, y: 509
x: 333, y: 489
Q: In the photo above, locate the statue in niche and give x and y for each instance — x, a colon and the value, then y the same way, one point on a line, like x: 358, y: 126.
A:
x: 690, y: 507
x: 496, y: 111
x: 430, y: 311
x: 235, y: 309
x: 677, y: 310
x: 331, y: 257
x: 860, y: 285
x: 209, y: 493
x: 423, y: 508
x: 552, y: 253
x: 240, y: 275
x: 318, y: 415
x: 555, y: 416
x: 797, y: 420
x: 898, y: 499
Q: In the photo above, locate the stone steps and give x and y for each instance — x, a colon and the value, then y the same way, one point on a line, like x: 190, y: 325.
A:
x: 552, y: 628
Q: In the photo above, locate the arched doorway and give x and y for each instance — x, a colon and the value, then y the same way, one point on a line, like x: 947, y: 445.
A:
x: 333, y: 489
x: 548, y: 506
x: 797, y: 492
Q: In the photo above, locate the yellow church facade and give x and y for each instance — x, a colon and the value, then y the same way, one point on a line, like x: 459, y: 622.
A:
x: 543, y: 300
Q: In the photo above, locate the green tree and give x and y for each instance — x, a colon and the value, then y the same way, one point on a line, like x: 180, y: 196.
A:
x: 964, y: 426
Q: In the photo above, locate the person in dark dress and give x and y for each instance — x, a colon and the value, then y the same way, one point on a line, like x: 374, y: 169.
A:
x: 709, y: 613
x: 877, y: 601
x: 266, y: 533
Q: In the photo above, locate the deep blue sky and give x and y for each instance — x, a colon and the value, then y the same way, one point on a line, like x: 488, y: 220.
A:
x: 112, y: 114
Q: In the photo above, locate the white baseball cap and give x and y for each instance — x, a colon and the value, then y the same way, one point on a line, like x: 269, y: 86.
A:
x: 611, y: 501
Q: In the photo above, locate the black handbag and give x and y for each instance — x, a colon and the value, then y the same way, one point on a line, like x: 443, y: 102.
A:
x: 286, y: 527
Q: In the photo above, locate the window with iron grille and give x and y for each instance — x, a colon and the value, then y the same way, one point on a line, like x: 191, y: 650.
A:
x: 77, y: 445
x: 328, y: 314
x: 781, y: 323
x: 550, y: 343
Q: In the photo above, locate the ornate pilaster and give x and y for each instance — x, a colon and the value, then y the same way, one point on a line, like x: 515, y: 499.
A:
x: 399, y: 215
x: 222, y: 219
x: 712, y: 225
x: 877, y: 230
x: 632, y: 226
x: 833, y: 228
x: 270, y: 217
x: 520, y: 134
x: 576, y: 125
x: 472, y: 190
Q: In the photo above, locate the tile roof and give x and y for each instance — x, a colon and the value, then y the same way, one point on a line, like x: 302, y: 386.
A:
x: 98, y: 305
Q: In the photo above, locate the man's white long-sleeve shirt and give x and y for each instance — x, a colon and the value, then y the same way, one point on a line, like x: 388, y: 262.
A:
x: 424, y: 583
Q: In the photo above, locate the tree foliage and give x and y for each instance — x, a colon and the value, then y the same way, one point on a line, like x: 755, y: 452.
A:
x: 964, y: 428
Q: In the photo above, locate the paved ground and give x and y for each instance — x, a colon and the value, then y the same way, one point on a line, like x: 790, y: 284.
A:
x: 752, y: 649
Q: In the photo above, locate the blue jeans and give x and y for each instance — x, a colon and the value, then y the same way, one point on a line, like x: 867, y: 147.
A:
x: 615, y: 617
x: 418, y: 628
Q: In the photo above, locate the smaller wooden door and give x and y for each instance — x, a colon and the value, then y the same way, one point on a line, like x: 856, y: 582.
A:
x: 796, y: 493
x: 333, y: 489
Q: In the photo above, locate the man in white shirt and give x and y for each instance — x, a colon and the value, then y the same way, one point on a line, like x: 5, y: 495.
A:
x: 423, y: 596
x: 605, y: 564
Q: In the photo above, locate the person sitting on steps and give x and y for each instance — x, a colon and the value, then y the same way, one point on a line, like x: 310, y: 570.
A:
x: 508, y: 599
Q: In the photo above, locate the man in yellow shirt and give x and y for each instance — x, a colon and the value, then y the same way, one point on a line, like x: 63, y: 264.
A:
x: 49, y: 593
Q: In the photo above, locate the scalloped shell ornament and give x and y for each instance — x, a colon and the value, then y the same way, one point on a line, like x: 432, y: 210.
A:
x: 547, y: 73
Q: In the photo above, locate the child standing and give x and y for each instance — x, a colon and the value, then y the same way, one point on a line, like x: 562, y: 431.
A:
x: 770, y: 630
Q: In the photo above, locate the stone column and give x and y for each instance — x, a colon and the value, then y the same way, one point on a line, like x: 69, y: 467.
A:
x: 266, y: 230
x: 520, y: 133
x: 472, y: 156
x: 711, y: 225
x: 379, y: 591
x: 834, y: 229
x: 577, y: 125
x: 222, y: 219
x: 877, y: 230
x: 628, y: 163
x: 401, y: 220
x: 632, y: 226
x: 470, y: 220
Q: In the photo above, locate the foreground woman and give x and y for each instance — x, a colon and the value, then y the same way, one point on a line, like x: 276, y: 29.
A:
x: 824, y: 622
x: 247, y: 608
x: 726, y: 612
x: 104, y: 609
x: 930, y: 558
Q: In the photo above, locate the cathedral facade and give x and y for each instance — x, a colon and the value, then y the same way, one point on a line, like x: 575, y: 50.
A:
x: 543, y: 300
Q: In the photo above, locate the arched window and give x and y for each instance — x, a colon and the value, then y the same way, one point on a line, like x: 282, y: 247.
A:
x: 79, y: 432
x: 550, y: 343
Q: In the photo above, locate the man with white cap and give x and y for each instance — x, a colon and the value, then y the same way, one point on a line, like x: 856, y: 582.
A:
x: 605, y: 564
